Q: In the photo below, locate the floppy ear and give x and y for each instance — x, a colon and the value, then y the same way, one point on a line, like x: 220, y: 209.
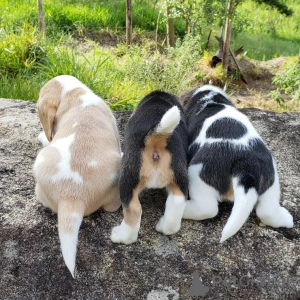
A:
x: 47, y: 106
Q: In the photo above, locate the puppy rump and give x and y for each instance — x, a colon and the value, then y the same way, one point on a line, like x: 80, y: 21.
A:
x: 70, y: 216
x: 158, y: 140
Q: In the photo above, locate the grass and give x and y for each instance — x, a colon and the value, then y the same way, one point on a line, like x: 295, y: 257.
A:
x: 121, y: 75
x: 263, y: 47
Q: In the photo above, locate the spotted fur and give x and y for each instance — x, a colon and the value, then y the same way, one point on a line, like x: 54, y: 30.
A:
x: 229, y: 160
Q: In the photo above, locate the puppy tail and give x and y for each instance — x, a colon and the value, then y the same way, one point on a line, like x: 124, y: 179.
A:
x: 169, y: 121
x: 70, y: 216
x: 244, y: 201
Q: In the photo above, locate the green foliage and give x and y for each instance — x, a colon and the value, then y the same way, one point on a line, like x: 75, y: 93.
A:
x: 20, y: 51
x: 262, y: 47
x: 282, y: 8
x: 124, y: 75
x: 288, y: 82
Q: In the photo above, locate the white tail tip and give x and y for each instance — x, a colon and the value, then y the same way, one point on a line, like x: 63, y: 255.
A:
x: 68, y: 235
x: 169, y: 121
x: 242, y: 207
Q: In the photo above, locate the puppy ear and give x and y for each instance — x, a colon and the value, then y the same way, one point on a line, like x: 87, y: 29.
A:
x: 185, y: 96
x: 47, y: 106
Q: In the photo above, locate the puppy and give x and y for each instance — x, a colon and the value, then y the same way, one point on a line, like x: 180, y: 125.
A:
x: 78, y: 170
x: 155, y: 156
x: 229, y: 160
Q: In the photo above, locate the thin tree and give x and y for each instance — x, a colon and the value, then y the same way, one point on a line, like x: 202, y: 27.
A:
x: 226, y: 45
x: 282, y: 8
x: 170, y: 28
x: 41, y: 18
x: 128, y: 23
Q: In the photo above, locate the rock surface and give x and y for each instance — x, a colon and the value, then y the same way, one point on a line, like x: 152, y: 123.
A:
x: 257, y: 263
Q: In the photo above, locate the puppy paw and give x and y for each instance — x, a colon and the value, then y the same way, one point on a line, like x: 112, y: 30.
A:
x: 285, y: 219
x: 124, y: 234
x: 282, y: 218
x: 166, y: 228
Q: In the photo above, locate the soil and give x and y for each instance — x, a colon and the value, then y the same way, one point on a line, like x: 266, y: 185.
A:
x: 257, y: 263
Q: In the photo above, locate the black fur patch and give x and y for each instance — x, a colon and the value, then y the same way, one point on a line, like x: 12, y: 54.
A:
x: 222, y: 161
x: 141, y: 124
x: 226, y: 128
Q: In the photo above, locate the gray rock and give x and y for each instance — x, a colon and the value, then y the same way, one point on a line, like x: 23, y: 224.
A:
x: 256, y: 263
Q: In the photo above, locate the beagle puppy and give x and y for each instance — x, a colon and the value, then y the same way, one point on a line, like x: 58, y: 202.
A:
x: 155, y: 156
x: 77, y: 171
x: 228, y: 160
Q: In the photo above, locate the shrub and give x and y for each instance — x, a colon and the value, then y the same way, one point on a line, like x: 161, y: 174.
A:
x: 288, y: 82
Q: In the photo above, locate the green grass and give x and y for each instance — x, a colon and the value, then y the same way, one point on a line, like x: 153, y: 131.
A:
x: 121, y: 75
x: 262, y: 47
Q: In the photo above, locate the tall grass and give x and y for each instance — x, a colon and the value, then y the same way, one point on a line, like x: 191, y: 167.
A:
x: 121, y: 75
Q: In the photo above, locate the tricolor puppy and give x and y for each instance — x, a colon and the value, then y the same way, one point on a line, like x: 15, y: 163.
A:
x: 78, y: 170
x: 155, y: 156
x: 229, y: 160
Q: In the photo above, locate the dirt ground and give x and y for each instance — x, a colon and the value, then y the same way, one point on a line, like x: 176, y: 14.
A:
x: 257, y: 263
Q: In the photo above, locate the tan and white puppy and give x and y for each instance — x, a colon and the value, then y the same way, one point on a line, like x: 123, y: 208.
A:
x: 78, y: 169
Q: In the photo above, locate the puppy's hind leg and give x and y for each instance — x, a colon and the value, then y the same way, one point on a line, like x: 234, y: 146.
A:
x: 269, y: 210
x: 127, y: 231
x: 42, y: 197
x: 170, y: 222
x: 203, y: 203
x: 113, y: 202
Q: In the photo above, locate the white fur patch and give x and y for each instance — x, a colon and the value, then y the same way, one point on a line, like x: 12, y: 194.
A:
x: 39, y: 159
x: 228, y: 112
x: 170, y: 222
x: 75, y: 124
x: 43, y: 139
x: 155, y: 180
x: 242, y: 207
x: 65, y: 172
x: 90, y: 99
x: 114, y: 177
x: 125, y: 234
x: 92, y: 163
x: 68, y: 240
x: 269, y: 210
x: 169, y: 121
x: 203, y: 203
x: 215, y: 90
x: 70, y: 83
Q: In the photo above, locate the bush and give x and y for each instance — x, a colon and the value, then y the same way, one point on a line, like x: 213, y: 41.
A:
x: 288, y: 82
x: 19, y: 52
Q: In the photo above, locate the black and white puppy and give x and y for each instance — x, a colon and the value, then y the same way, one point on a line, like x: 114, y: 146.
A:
x: 155, y: 156
x: 229, y: 160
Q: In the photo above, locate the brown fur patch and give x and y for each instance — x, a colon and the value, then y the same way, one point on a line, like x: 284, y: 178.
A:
x: 229, y: 193
x: 156, y: 146
x: 47, y: 106
x: 133, y: 212
x: 175, y: 189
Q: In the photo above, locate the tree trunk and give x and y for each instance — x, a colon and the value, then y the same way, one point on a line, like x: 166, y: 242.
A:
x: 170, y: 30
x: 128, y: 23
x: 226, y: 46
x: 41, y: 18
